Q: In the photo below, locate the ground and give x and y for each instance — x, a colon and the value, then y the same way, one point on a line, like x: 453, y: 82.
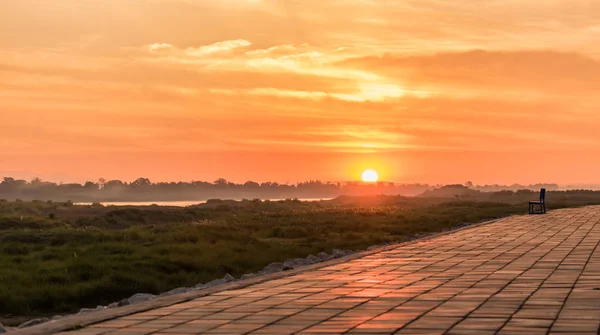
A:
x: 57, y: 258
x: 518, y: 275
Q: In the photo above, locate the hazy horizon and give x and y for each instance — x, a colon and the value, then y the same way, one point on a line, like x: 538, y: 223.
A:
x: 29, y: 176
x: 143, y: 190
x: 288, y: 182
x: 427, y: 91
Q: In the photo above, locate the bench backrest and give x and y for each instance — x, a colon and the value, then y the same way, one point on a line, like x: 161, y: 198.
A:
x: 543, y: 195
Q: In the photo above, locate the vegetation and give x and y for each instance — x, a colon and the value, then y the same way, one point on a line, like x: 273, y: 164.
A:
x: 142, y: 189
x: 59, y: 257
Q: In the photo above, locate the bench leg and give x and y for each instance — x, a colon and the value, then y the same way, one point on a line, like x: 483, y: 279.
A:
x: 537, y: 208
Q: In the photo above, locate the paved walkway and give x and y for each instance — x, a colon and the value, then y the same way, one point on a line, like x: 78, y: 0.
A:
x: 520, y: 275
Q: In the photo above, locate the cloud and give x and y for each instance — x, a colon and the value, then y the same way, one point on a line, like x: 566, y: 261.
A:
x: 528, y: 74
x: 293, y: 61
x: 368, y: 92
x: 222, y: 46
x: 156, y: 47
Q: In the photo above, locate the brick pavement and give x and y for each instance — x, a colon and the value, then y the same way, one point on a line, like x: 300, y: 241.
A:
x: 519, y: 275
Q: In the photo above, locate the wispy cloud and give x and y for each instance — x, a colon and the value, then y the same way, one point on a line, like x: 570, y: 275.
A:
x: 216, y: 47
x: 156, y: 47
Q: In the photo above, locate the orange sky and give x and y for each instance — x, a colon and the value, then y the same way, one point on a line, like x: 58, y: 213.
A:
x: 437, y: 91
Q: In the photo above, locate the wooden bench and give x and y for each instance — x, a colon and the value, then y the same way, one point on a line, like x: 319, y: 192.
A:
x: 538, y: 207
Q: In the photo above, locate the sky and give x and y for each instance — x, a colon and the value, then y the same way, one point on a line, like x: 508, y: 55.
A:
x: 433, y: 91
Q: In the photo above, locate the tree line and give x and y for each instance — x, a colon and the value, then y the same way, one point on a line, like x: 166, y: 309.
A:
x: 143, y: 189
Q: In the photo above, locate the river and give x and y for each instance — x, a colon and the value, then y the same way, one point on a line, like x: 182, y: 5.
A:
x: 173, y: 203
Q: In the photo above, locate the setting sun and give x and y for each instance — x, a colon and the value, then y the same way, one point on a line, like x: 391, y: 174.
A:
x: 370, y: 176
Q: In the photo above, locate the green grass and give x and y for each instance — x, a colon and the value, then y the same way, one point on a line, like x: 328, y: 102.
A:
x: 89, y: 255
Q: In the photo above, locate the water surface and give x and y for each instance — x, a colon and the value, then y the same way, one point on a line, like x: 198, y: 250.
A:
x: 173, y: 203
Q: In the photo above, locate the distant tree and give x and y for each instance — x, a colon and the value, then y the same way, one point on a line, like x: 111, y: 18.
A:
x: 113, y: 184
x: 221, y: 183
x: 251, y: 185
x: 269, y: 185
x: 141, y: 182
x: 8, y: 180
x: 90, y: 185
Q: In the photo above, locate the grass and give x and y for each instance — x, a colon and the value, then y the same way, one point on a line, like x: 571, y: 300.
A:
x: 57, y: 258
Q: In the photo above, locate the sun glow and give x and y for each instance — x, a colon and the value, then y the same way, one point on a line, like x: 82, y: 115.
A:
x: 370, y: 176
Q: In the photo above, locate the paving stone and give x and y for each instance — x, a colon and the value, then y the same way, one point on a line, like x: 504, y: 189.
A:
x: 479, y: 324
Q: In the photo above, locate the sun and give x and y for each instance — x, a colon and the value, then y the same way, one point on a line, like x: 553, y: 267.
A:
x: 370, y: 176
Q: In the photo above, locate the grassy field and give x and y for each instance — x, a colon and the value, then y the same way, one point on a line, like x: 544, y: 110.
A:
x: 57, y: 257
